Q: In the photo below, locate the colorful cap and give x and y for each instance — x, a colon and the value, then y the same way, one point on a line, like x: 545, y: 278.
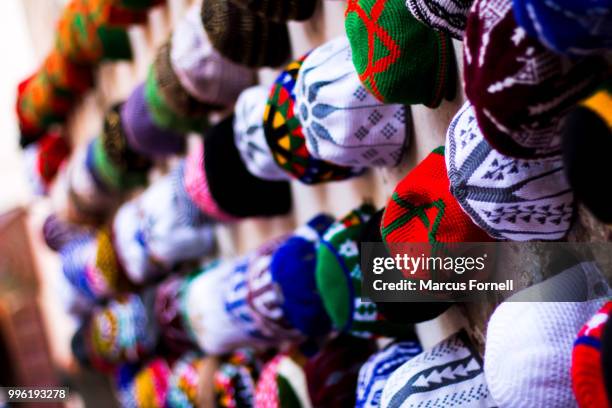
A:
x: 338, y: 277
x: 567, y: 27
x: 375, y: 372
x: 342, y: 122
x: 520, y: 90
x: 398, y: 58
x: 142, y: 133
x: 292, y: 268
x: 285, y: 136
x: 250, y: 137
x: 244, y: 37
x: 202, y: 71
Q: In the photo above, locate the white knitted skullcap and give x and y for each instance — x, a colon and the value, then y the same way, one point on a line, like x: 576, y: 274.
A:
x: 205, y: 314
x: 529, y: 344
x: 448, y: 375
x: 515, y: 199
x: 201, y: 70
x: 342, y: 122
x: 160, y: 229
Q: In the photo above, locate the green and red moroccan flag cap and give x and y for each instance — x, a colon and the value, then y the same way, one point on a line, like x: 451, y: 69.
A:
x: 398, y: 58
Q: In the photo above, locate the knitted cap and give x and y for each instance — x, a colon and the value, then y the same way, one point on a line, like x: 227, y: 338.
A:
x: 449, y: 16
x: 117, y: 149
x: 285, y: 136
x: 280, y: 10
x: 233, y: 188
x: 398, y: 59
x: 587, y: 370
x: 567, y: 27
x: 76, y: 257
x: 423, y: 210
x: 171, y: 106
x: 535, y: 338
x: 234, y: 380
x: 58, y: 232
x: 585, y: 156
x: 147, y: 387
x: 108, y: 174
x: 250, y: 137
x: 255, y: 300
x: 519, y: 89
x: 52, y: 151
x: 184, y: 382
x: 141, y: 132
x: 167, y: 312
x: 196, y: 185
x: 204, y: 313
x: 292, y: 268
x: 332, y: 372
x: 266, y: 392
x: 89, y: 263
x: 121, y: 331
x: 201, y: 70
x: 338, y: 277
x: 130, y: 245
x: 374, y: 374
x: 394, y: 311
x: 243, y: 37
x: 514, y: 199
x: 451, y: 373
x: 342, y: 122
x: 160, y: 229
x: 282, y: 384
x: 89, y: 200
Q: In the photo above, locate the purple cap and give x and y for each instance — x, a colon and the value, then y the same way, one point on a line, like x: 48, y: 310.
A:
x: 58, y: 232
x: 141, y: 132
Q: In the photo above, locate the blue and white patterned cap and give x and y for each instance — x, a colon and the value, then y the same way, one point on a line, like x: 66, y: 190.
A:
x: 250, y: 137
x: 342, y: 122
x: 374, y: 373
x: 160, y: 229
x: 449, y: 375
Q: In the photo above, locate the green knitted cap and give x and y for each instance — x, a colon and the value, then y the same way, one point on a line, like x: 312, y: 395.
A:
x: 163, y: 115
x: 338, y: 268
x: 399, y: 59
x: 339, y: 277
x: 112, y: 175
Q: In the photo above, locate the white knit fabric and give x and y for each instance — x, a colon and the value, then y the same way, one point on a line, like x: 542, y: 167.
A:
x: 529, y: 344
x: 448, y: 375
x: 158, y: 230
x: 201, y: 70
x: 249, y: 135
x: 519, y: 200
x: 129, y: 249
x: 204, y: 311
x: 342, y: 122
x: 374, y: 374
